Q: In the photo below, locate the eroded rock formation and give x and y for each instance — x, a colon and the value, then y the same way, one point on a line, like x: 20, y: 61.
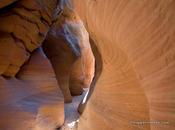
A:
x: 23, y: 27
x: 31, y: 97
x: 133, y: 43
x: 136, y: 42
x: 67, y: 46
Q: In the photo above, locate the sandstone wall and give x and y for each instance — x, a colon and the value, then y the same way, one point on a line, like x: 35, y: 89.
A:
x: 136, y: 42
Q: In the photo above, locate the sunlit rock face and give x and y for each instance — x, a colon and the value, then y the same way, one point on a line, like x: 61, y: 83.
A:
x: 68, y: 48
x: 33, y: 100
x: 133, y: 87
x: 136, y: 42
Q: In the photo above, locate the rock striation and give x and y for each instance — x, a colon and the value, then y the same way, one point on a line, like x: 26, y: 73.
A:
x: 134, y: 50
x: 136, y: 85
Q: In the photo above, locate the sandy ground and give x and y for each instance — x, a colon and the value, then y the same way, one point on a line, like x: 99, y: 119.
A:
x: 71, y: 113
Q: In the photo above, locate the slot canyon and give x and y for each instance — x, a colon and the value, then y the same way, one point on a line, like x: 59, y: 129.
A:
x: 87, y: 64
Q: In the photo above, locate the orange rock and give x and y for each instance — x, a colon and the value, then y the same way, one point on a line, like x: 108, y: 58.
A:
x: 5, y: 55
x: 82, y: 70
x: 23, y: 27
x: 136, y: 43
x: 57, y: 48
x: 14, y: 57
x: 64, y: 43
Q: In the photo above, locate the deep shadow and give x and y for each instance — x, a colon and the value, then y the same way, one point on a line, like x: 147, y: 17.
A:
x: 9, y: 7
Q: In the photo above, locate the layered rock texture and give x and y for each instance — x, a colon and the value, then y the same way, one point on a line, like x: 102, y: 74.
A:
x: 134, y: 48
x: 136, y: 89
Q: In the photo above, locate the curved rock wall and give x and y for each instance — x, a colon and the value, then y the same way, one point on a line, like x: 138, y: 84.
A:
x: 135, y: 51
x: 136, y: 41
x: 82, y: 71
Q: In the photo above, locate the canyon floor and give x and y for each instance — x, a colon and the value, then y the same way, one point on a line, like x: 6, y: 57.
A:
x: 71, y: 113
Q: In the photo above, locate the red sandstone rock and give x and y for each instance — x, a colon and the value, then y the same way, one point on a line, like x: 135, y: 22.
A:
x: 67, y: 46
x: 82, y: 70
x: 136, y: 42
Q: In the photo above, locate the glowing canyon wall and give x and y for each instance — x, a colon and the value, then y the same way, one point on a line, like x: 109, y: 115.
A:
x: 137, y: 45
x: 49, y: 50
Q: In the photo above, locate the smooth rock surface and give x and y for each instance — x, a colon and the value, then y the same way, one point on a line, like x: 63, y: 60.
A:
x: 68, y: 48
x: 82, y: 71
x: 58, y: 50
x: 136, y: 42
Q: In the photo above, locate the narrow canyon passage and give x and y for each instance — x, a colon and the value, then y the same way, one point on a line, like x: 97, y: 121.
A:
x: 87, y: 64
x: 71, y: 113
